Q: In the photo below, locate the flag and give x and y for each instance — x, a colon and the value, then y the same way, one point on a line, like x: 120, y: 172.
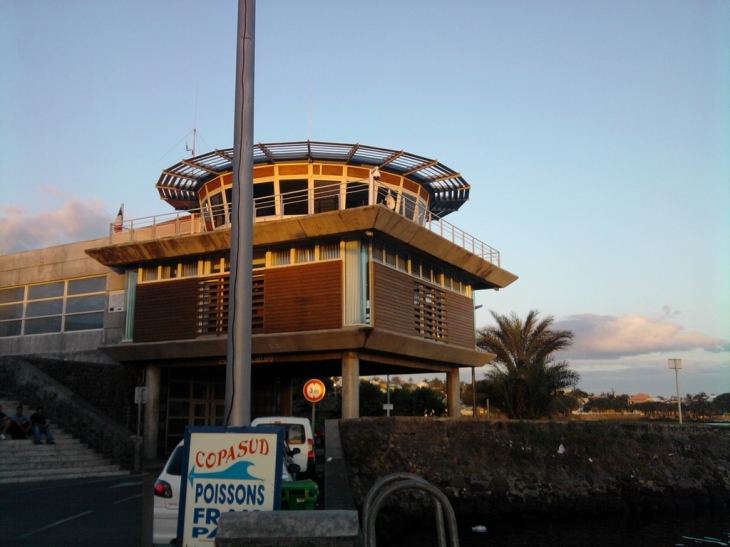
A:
x: 117, y: 224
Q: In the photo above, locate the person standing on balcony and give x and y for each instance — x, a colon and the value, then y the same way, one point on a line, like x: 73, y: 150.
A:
x: 38, y: 421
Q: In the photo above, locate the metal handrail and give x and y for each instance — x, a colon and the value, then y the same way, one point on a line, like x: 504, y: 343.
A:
x: 407, y: 481
x: 200, y: 220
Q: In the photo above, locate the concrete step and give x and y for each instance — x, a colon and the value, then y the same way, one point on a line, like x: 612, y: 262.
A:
x: 69, y: 458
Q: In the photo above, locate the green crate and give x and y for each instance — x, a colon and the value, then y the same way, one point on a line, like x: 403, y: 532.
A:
x: 299, y: 495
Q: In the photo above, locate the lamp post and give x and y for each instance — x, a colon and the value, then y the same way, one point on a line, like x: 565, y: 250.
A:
x: 676, y: 364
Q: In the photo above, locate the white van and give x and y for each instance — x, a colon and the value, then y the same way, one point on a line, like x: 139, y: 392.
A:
x: 299, y: 433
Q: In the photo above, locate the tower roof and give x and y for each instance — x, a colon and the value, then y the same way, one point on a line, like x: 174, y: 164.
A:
x: 179, y: 184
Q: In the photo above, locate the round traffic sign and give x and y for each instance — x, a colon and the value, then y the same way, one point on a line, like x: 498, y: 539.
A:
x: 314, y: 390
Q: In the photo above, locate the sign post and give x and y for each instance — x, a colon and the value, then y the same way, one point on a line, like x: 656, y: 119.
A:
x: 676, y: 364
x: 140, y: 398
x: 314, y: 391
x: 225, y: 470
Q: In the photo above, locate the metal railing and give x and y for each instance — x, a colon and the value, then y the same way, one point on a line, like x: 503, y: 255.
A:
x: 337, y: 196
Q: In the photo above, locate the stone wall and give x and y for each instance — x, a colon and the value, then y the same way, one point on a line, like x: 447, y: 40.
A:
x: 22, y: 381
x: 492, y: 468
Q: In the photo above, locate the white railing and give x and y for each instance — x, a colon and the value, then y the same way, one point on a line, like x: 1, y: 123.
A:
x: 299, y: 203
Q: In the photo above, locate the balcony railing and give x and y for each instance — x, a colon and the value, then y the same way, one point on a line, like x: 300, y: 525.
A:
x: 299, y: 203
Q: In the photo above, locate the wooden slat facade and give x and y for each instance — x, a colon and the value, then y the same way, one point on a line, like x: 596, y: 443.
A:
x: 404, y: 304
x: 303, y: 297
x: 165, y: 310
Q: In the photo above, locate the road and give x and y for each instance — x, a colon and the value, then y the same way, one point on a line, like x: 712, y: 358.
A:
x: 81, y: 513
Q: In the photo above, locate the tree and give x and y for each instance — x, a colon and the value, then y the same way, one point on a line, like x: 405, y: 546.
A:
x: 371, y: 399
x: 524, y: 376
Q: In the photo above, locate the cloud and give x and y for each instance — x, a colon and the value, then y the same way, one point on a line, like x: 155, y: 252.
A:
x: 611, y: 337
x: 77, y: 220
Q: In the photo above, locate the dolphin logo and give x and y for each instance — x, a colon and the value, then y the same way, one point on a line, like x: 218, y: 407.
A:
x: 236, y: 471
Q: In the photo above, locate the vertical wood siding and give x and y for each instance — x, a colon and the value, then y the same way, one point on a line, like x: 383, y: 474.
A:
x: 303, y: 297
x: 394, y: 308
x: 165, y: 311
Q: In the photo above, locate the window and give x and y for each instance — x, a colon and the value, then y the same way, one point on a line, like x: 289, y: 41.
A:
x: 263, y: 198
x: 280, y: 257
x: 357, y: 195
x: 59, y: 306
x: 294, y: 196
x: 305, y: 254
x: 329, y: 250
x: 326, y: 196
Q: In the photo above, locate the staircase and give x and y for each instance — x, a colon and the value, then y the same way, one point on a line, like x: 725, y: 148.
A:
x: 22, y: 461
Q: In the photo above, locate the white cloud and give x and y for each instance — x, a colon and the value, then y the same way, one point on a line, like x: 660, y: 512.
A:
x: 611, y: 337
x: 76, y: 220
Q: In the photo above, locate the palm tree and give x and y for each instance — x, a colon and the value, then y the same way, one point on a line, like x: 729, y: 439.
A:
x: 524, y: 377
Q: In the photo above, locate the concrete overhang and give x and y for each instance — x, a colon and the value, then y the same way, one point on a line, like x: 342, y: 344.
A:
x: 377, y: 344
x: 373, y: 218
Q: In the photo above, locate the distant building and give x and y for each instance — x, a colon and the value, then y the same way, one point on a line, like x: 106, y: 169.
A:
x: 640, y: 398
x: 355, y: 273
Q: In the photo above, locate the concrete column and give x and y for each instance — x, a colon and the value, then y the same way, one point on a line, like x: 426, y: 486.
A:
x: 152, y: 412
x: 350, y: 385
x: 453, y: 393
x: 285, y: 397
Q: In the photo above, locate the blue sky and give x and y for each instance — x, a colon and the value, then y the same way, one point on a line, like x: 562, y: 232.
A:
x: 595, y: 135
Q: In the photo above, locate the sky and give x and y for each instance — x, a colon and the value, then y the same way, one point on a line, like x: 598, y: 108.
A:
x: 595, y: 136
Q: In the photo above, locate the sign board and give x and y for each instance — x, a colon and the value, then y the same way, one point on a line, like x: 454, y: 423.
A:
x: 224, y: 470
x: 116, y: 301
x: 314, y: 391
x: 675, y: 363
x: 140, y: 395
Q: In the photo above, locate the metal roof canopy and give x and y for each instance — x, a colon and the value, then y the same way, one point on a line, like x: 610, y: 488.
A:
x: 179, y: 184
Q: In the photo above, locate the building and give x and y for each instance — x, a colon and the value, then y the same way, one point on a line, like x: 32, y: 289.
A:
x: 355, y: 273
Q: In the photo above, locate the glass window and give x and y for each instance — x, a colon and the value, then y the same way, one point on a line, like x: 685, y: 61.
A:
x: 305, y: 254
x: 280, y: 257
x: 11, y: 311
x: 415, y: 267
x: 294, y: 196
x: 149, y: 273
x: 378, y: 251
x: 43, y: 325
x: 426, y: 271
x: 87, y: 285
x: 390, y: 256
x: 402, y: 261
x: 357, y: 195
x: 189, y: 268
x: 86, y: 303
x: 219, y: 213
x: 46, y: 290
x: 263, y: 196
x: 259, y: 259
x: 44, y: 307
x: 84, y: 321
x: 329, y: 250
x: 14, y: 294
x: 10, y: 328
x: 326, y: 196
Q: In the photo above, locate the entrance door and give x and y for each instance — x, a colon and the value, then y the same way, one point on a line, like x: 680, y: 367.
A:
x: 192, y: 402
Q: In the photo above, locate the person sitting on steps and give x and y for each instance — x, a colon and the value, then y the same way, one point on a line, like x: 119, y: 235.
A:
x: 19, y: 424
x: 4, y: 423
x: 38, y: 421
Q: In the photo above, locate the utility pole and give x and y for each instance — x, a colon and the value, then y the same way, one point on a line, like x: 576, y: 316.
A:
x: 238, y: 362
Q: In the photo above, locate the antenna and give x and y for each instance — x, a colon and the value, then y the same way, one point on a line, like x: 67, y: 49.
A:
x: 311, y: 99
x: 195, y: 126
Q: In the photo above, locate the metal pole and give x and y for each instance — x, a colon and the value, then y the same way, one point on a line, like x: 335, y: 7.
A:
x: 474, y: 392
x: 238, y: 363
x: 313, y: 405
x: 679, y: 399
x: 387, y: 394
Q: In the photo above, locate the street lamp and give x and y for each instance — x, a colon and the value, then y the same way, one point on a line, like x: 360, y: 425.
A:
x: 676, y: 364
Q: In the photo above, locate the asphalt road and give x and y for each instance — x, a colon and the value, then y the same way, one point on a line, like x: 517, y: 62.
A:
x: 80, y: 513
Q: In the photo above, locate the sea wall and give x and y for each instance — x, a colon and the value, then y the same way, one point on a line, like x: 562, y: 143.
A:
x: 518, y: 467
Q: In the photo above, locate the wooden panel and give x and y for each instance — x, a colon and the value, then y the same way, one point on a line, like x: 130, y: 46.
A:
x: 358, y: 172
x: 394, y: 308
x: 260, y: 172
x: 303, y: 297
x: 332, y: 169
x: 461, y: 320
x: 393, y: 300
x: 165, y: 310
x: 390, y: 178
x: 301, y: 169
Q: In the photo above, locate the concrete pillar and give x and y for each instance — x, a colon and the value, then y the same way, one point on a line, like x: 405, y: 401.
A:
x: 285, y: 397
x: 453, y: 393
x: 152, y: 412
x: 350, y: 385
